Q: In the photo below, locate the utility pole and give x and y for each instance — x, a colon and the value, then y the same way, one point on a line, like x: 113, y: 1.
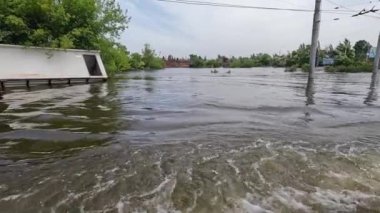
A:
x: 376, y: 66
x: 313, y: 53
x: 315, y: 38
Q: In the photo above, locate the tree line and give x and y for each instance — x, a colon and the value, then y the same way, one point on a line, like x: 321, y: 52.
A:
x: 347, y: 57
x: 98, y: 24
x: 74, y: 24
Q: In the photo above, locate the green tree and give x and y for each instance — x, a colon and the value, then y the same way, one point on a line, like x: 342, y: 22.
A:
x: 148, y: 55
x: 150, y: 58
x: 80, y: 24
x: 345, y: 48
x: 361, y: 49
x: 115, y: 57
x: 197, y: 61
x: 263, y: 59
x: 137, y: 62
x: 345, y: 53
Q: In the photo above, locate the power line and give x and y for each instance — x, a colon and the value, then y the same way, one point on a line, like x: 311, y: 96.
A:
x: 214, y: 4
x: 336, y: 4
x: 361, y: 13
x: 372, y: 2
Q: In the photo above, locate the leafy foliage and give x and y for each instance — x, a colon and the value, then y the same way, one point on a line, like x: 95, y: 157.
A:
x: 361, y: 49
x: 147, y: 60
x: 79, y: 24
x: 351, y: 68
x: 345, y: 55
x: 150, y: 58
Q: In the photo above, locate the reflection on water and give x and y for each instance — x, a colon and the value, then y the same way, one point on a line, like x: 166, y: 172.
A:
x: 183, y: 140
x: 310, y: 91
x: 372, y: 94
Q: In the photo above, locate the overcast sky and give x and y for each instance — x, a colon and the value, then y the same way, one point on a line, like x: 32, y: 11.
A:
x: 180, y: 30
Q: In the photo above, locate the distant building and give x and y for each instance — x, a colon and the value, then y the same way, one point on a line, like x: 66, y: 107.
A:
x: 172, y: 62
x: 371, y: 53
x: 328, y: 61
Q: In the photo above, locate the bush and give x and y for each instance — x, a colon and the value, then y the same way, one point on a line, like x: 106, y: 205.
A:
x: 136, y: 77
x: 291, y: 69
x: 351, y: 68
x: 149, y: 78
x: 305, y: 68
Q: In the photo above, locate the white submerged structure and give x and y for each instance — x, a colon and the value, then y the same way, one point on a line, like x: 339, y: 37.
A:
x: 34, y: 63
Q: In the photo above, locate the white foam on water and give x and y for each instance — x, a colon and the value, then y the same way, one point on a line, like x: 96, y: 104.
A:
x: 17, y: 125
x: 189, y: 172
x: 130, y: 175
x: 136, y: 152
x: 232, y: 165
x: 215, y: 172
x: 30, y: 114
x: 69, y: 197
x: 268, y: 145
x: 42, y: 153
x: 192, y: 207
x: 158, y: 188
x: 120, y: 207
x: 18, y: 196
x: 158, y: 163
x: 214, y: 200
x: 104, y: 108
x: 336, y: 175
x: 256, y: 167
x: 5, y: 147
x: 112, y: 170
x: 3, y: 187
x: 218, y: 183
x: 79, y: 117
x: 269, y: 158
x: 44, y: 180
x: 98, y: 177
x: 163, y: 209
x: 233, y: 151
x: 344, y: 200
x: 11, y: 197
x: 79, y: 174
x: 260, y: 140
x: 301, y: 153
x: 307, y: 149
x: 209, y: 158
x: 192, y: 151
x: 100, y: 187
x: 11, y: 143
x: 329, y: 200
x: 160, y: 197
x: 248, y: 207
x: 73, y: 129
x: 291, y: 198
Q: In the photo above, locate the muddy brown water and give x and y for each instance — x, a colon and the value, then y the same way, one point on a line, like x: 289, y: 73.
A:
x: 181, y: 140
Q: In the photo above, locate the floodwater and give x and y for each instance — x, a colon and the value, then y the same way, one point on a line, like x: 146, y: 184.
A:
x: 182, y: 140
